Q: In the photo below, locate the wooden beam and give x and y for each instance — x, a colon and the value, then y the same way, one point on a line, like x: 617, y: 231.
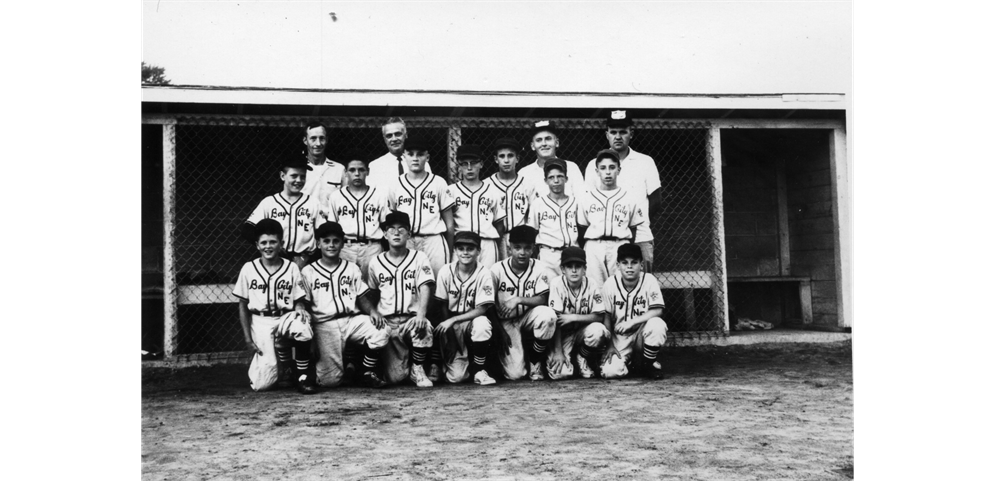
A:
x: 805, y: 296
x: 842, y: 240
x: 783, y: 234
x: 169, y: 291
x: 721, y: 292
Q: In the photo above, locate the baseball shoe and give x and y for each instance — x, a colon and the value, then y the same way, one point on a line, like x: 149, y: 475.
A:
x: 370, y: 379
x: 349, y: 375
x: 653, y: 371
x: 284, y: 376
x: 434, y: 373
x: 306, y: 385
x: 483, y: 379
x: 417, y: 376
x: 585, y: 370
x: 535, y: 371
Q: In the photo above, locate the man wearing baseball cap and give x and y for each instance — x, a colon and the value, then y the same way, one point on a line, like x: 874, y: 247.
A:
x: 545, y: 141
x: 638, y: 174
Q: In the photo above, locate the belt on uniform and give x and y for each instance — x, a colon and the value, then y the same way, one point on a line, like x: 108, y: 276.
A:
x: 610, y: 238
x: 270, y: 313
x: 350, y: 242
x: 425, y: 235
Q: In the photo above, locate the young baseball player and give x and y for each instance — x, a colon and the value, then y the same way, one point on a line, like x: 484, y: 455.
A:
x: 607, y: 217
x: 404, y: 279
x: 635, y: 318
x: 545, y: 141
x: 359, y: 209
x: 521, y: 309
x: 424, y: 197
x: 466, y: 290
x: 296, y: 212
x: 516, y: 191
x: 267, y: 288
x: 326, y: 174
x: 477, y: 207
x: 580, y: 312
x: 554, y: 215
x: 336, y: 294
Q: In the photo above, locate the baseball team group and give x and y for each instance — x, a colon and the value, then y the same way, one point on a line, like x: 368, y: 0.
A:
x: 376, y: 271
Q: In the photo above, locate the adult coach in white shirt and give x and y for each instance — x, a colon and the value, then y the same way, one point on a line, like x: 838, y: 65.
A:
x: 638, y: 174
x: 385, y: 169
x: 326, y: 174
x: 545, y: 141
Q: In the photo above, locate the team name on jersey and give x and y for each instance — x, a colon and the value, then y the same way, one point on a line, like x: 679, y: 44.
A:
x: 546, y: 215
x: 583, y: 307
x: 639, y: 305
x: 370, y: 212
x: 527, y: 285
x: 258, y: 286
x: 324, y: 285
x: 520, y: 202
x: 428, y: 201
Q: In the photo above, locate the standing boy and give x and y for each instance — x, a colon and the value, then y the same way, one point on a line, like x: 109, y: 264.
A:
x: 424, y: 197
x: 607, y: 217
x: 404, y: 279
x: 477, y: 207
x: 267, y: 288
x: 516, y: 191
x: 580, y: 312
x: 466, y: 290
x: 635, y: 318
x: 554, y: 215
x: 296, y: 212
x: 359, y: 209
x: 521, y: 308
x: 337, y: 296
x: 545, y: 141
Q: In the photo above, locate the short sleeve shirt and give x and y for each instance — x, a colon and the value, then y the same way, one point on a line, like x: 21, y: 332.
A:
x: 269, y: 293
x: 333, y: 292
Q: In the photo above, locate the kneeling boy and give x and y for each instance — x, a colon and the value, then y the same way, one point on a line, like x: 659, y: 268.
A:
x: 337, y: 294
x: 635, y: 317
x: 580, y: 312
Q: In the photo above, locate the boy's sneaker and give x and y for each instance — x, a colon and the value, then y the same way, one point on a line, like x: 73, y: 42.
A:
x: 483, y: 379
x: 585, y: 370
x: 434, y: 373
x: 284, y: 376
x: 535, y: 371
x: 306, y: 385
x: 417, y: 376
x: 370, y: 379
x: 653, y: 371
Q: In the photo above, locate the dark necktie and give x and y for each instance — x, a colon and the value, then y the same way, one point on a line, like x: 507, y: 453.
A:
x: 400, y: 166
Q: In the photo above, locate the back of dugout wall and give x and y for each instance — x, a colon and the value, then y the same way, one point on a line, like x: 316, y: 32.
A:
x: 223, y: 167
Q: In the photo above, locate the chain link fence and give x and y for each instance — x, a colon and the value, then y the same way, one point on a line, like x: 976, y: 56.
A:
x: 225, y: 165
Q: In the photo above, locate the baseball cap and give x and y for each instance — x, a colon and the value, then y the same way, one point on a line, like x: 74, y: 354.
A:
x: 268, y: 226
x: 416, y: 142
x: 296, y: 161
x: 619, y: 118
x: 354, y: 154
x: 466, y: 237
x: 469, y: 151
x: 329, y: 229
x: 630, y: 251
x: 554, y: 163
x: 522, y: 234
x: 396, y: 218
x: 506, y: 143
x: 607, y: 153
x: 545, y: 126
x: 573, y: 254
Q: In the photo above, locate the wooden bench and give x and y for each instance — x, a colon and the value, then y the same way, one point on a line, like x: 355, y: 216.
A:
x: 804, y: 291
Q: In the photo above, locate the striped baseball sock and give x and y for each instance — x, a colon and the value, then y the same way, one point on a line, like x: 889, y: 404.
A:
x: 539, y: 350
x: 478, y: 352
x: 419, y: 354
x: 592, y: 355
x: 650, y: 353
x: 436, y: 356
x: 302, y: 356
x: 284, y: 355
x: 349, y: 354
x: 370, y: 359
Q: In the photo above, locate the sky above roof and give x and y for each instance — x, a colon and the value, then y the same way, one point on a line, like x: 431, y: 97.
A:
x: 630, y: 47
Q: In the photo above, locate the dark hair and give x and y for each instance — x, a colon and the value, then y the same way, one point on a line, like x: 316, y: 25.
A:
x: 315, y: 124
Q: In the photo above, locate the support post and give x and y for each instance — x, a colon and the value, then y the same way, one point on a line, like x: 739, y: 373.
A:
x: 455, y: 140
x: 783, y: 233
x: 842, y: 240
x: 720, y: 289
x: 170, y: 291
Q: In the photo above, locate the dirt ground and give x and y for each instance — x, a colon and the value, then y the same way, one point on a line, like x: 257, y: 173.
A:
x: 771, y: 411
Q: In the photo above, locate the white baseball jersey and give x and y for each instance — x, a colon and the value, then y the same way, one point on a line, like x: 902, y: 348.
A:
x: 534, y: 281
x: 477, y: 211
x: 423, y: 203
x: 398, y: 283
x: 333, y: 292
x: 516, y: 198
x: 588, y: 300
x: 359, y: 217
x: 574, y: 187
x: 299, y: 220
x: 623, y: 305
x: 609, y: 213
x: 640, y: 176
x: 322, y: 180
x: 464, y: 295
x: 270, y: 294
x: 383, y: 169
x: 557, y: 224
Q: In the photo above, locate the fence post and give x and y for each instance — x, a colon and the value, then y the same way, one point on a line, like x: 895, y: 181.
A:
x: 721, y: 287
x: 839, y: 167
x: 170, y: 291
x: 455, y: 139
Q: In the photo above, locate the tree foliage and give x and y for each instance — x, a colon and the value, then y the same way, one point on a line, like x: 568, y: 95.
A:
x: 153, y: 75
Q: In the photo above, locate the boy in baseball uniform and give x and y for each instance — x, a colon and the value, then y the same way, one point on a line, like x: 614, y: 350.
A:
x: 635, y: 318
x: 478, y: 207
x: 424, y: 197
x: 466, y: 290
x: 359, y: 208
x: 580, y: 334
x: 526, y: 323
x: 404, y: 279
x: 516, y: 191
x: 267, y: 288
x: 296, y: 212
x: 607, y: 217
x: 554, y: 215
x: 336, y: 294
